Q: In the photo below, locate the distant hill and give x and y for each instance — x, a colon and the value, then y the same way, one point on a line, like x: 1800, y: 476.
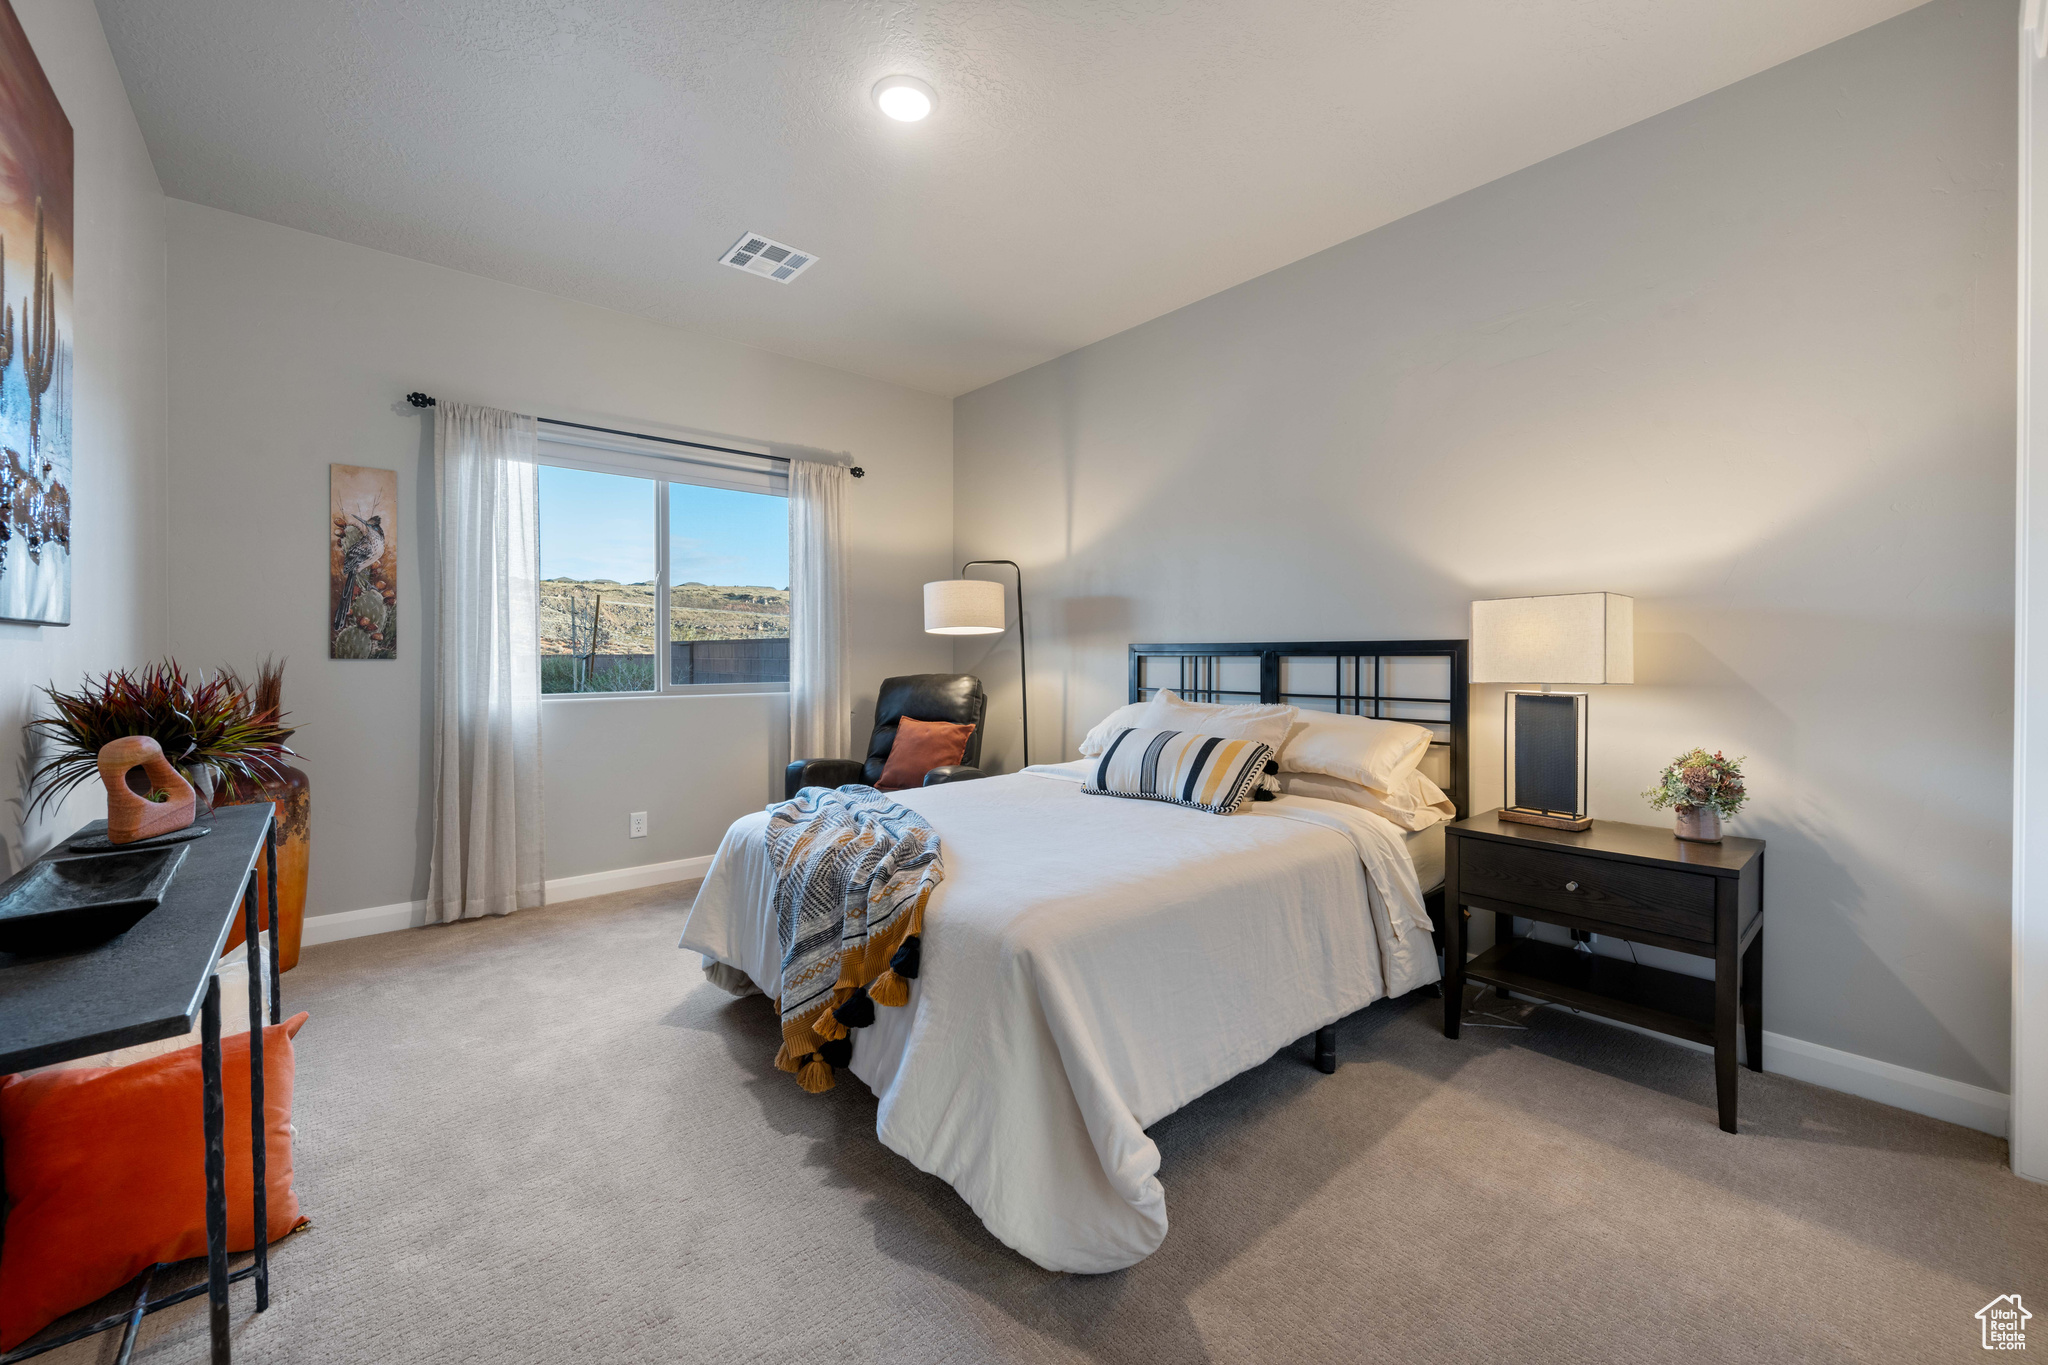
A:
x: 697, y: 611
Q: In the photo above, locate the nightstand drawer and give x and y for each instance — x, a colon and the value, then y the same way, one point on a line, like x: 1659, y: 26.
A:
x: 1627, y: 895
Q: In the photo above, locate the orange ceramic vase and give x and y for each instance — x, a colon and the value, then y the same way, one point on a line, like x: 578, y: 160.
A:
x: 291, y: 795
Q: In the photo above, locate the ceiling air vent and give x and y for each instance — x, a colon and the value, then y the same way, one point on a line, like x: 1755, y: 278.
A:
x: 758, y: 255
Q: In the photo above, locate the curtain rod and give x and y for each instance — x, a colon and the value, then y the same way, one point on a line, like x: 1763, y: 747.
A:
x: 426, y: 400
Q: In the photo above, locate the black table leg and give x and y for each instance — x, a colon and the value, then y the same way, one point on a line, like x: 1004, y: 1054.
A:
x: 135, y: 1314
x: 1753, y: 1000
x: 214, y: 1117
x: 1727, y: 981
x: 259, y: 1156
x: 1454, y: 960
x: 1326, y: 1049
x: 1503, y: 930
x: 270, y: 894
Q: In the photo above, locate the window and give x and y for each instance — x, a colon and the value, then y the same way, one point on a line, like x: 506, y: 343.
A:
x: 598, y: 581
x: 639, y: 548
x: 728, y: 608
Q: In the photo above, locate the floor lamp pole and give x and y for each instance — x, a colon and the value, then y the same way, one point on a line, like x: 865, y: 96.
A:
x: 1023, y: 670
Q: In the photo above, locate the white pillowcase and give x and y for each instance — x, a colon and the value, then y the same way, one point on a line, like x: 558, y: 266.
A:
x: 1106, y: 729
x: 1419, y: 806
x: 1267, y: 725
x: 1379, y: 754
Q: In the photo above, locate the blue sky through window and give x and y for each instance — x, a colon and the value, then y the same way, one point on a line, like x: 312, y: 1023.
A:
x: 726, y: 538
x: 596, y: 526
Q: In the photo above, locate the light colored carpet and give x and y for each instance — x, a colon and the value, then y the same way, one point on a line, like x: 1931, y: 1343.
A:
x: 547, y: 1139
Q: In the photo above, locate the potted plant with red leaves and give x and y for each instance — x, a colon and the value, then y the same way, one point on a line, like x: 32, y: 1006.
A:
x: 227, y: 738
x: 207, y: 727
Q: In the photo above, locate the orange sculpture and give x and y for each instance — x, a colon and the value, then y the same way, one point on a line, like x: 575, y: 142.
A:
x: 146, y: 796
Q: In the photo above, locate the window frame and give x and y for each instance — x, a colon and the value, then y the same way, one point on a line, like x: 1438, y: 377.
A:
x: 635, y: 462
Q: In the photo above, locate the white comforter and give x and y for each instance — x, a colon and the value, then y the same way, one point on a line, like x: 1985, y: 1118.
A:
x: 1091, y: 964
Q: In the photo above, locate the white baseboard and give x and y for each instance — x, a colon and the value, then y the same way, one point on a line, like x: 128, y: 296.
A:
x: 375, y: 919
x: 626, y: 879
x: 1920, y: 1092
x: 1972, y: 1106
x: 384, y: 919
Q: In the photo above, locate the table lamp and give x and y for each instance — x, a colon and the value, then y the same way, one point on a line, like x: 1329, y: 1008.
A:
x: 974, y: 606
x: 1571, y: 638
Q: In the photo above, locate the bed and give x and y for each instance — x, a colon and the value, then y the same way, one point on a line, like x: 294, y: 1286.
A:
x: 1093, y: 964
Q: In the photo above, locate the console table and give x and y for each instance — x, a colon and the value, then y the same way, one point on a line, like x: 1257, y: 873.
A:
x: 1633, y: 882
x: 156, y: 981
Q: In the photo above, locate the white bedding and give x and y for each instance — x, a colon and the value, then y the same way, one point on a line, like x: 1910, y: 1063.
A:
x: 1426, y: 851
x: 1090, y: 965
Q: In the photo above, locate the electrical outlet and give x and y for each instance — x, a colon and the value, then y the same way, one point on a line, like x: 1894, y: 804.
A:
x: 636, y: 825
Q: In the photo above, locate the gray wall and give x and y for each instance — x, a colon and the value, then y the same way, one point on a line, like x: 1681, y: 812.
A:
x: 117, y: 529
x: 291, y: 351
x: 695, y: 764
x: 1750, y: 360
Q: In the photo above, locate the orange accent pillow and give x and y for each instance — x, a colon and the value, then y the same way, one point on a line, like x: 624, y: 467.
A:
x: 922, y: 745
x: 106, y: 1174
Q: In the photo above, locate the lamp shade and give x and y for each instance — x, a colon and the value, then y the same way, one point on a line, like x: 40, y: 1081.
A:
x: 1581, y: 637
x: 963, y: 606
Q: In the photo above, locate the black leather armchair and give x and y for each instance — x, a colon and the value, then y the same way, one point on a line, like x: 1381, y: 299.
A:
x: 956, y: 698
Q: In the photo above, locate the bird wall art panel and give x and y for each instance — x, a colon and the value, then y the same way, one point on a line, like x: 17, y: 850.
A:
x: 362, y: 596
x: 35, y: 338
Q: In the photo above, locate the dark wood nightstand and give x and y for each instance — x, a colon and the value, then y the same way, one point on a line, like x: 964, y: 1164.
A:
x: 1633, y: 882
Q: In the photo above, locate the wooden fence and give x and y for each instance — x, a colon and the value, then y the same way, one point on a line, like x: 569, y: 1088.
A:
x: 690, y: 661
x: 728, y: 661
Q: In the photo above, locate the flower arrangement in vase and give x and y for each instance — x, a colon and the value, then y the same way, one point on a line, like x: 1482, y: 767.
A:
x: 210, y: 729
x: 1702, y: 788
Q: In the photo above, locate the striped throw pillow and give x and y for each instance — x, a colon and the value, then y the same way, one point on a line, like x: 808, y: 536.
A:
x: 1207, y: 772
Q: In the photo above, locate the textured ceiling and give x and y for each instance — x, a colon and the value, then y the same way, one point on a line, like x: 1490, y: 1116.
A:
x: 1091, y: 164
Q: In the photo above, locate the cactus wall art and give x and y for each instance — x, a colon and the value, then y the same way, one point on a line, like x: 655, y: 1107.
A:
x: 35, y: 338
x: 362, y: 562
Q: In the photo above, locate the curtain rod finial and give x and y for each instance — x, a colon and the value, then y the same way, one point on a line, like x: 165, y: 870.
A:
x: 420, y: 400
x: 858, y: 472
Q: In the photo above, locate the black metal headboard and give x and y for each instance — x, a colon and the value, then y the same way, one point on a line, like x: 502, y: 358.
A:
x: 1364, y: 677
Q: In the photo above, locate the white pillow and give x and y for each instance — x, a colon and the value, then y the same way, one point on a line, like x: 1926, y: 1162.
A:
x: 1373, y: 753
x: 1428, y: 793
x: 1267, y: 725
x: 1123, y: 718
x: 1423, y: 803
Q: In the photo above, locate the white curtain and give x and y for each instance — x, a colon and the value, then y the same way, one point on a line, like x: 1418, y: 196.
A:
x: 487, y: 813
x: 820, y: 723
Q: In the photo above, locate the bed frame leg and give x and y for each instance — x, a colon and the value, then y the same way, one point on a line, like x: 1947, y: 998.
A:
x: 1326, y: 1049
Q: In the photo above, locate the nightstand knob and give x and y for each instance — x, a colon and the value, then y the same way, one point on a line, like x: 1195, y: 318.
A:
x: 1571, y: 886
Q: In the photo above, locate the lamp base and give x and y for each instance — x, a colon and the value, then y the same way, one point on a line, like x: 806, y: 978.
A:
x: 1536, y: 817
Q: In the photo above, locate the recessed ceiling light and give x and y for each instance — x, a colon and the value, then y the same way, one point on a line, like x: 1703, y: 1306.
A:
x: 768, y: 258
x: 904, y: 97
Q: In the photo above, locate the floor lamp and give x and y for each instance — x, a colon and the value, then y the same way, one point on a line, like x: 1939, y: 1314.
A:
x: 974, y: 606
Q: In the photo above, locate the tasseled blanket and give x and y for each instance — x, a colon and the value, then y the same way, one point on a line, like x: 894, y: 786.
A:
x: 853, y: 871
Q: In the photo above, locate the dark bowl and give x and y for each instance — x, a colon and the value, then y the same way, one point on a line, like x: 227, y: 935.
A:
x: 61, y: 905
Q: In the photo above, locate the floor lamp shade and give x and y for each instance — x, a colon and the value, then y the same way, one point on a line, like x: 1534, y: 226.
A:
x: 974, y: 606
x: 1571, y: 638
x: 963, y: 606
